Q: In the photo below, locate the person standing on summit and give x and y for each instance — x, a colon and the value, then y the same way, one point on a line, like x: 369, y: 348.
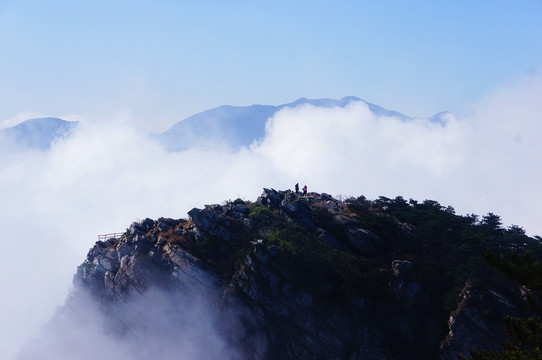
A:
x: 305, y: 190
x: 297, y: 188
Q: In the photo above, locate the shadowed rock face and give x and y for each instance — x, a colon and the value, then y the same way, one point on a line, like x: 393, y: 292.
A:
x: 470, y: 329
x: 296, y: 277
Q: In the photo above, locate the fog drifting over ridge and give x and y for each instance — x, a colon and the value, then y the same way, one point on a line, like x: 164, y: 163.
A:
x: 108, y: 174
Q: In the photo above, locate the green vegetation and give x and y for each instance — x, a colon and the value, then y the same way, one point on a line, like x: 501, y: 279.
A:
x: 315, y: 267
x: 262, y: 216
x: 453, y: 246
x: 447, y: 249
x: 224, y: 256
x: 332, y: 274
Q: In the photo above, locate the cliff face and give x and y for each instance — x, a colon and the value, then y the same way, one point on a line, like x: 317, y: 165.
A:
x: 297, y: 277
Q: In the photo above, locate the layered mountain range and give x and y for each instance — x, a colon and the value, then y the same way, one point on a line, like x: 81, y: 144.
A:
x: 293, y: 276
x: 231, y: 126
x: 36, y: 134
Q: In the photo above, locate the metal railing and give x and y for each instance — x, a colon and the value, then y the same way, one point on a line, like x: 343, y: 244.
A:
x: 105, y: 237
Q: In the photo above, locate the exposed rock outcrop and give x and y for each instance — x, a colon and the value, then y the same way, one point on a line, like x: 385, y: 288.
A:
x: 310, y: 277
x: 471, y: 329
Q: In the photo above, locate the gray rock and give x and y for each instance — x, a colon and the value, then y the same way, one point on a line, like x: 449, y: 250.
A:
x: 163, y: 227
x: 470, y: 329
x: 108, y: 263
x: 362, y: 240
x: 248, y: 223
x: 142, y: 243
x: 326, y: 197
x: 147, y: 224
x: 211, y: 221
x: 270, y: 198
x: 123, y: 250
x: 344, y: 221
x: 186, y: 268
x: 136, y: 228
x: 241, y: 209
x: 330, y: 240
x: 401, y: 268
x: 298, y: 211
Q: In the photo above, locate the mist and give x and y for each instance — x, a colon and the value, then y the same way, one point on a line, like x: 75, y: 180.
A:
x: 108, y: 174
x: 180, y: 323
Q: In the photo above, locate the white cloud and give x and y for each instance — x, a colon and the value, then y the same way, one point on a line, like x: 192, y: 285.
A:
x: 319, y: 144
x: 98, y: 181
x: 505, y: 149
x: 107, y: 175
x: 489, y: 161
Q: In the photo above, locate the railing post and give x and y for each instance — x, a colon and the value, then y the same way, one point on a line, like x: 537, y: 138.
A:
x: 105, y: 237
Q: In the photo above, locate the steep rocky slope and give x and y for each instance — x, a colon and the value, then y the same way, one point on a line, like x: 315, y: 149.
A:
x: 311, y: 277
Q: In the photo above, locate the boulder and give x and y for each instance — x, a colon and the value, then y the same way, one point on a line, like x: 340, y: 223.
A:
x: 362, y: 240
x: 270, y: 198
x: 297, y: 211
x: 211, y: 221
x: 401, y: 268
x: 163, y: 227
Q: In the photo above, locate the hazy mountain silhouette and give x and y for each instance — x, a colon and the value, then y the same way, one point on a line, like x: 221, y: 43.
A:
x: 36, y: 134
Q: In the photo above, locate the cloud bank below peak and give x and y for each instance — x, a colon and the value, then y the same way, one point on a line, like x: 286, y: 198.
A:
x: 226, y: 126
x: 238, y: 126
x: 107, y: 174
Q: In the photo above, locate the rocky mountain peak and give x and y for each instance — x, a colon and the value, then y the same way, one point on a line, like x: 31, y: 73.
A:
x: 307, y: 277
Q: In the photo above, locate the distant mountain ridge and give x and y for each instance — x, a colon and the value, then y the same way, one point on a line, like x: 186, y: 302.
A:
x: 228, y: 125
x: 37, y: 134
x: 238, y: 126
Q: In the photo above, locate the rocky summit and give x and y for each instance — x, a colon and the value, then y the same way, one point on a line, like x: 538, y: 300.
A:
x: 294, y: 276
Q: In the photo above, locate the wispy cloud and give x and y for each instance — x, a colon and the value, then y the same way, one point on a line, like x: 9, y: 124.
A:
x: 159, y: 324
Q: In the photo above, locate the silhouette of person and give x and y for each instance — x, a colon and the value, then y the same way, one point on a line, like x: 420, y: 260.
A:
x: 297, y: 188
x: 305, y: 190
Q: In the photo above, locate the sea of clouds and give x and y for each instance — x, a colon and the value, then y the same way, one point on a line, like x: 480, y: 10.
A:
x: 108, y: 174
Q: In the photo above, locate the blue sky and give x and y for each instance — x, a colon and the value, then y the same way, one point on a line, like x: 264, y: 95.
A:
x: 162, y: 61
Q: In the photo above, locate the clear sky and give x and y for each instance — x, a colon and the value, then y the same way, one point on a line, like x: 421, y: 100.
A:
x: 162, y: 61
